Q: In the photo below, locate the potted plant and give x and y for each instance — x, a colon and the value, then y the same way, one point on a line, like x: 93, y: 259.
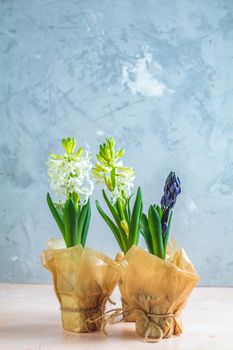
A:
x: 157, y: 283
x: 83, y: 278
x: 119, y: 181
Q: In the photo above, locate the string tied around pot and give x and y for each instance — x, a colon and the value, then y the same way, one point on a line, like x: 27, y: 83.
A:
x: 111, y: 315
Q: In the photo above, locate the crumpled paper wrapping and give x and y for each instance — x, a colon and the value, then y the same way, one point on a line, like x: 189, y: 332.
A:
x: 83, y: 280
x: 127, y: 316
x: 157, y: 290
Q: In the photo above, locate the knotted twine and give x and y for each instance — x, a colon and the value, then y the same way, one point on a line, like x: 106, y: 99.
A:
x: 110, y: 316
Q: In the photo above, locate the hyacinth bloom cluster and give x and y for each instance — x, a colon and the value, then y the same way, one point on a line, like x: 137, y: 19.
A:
x: 119, y: 181
x: 70, y: 173
x: 171, y: 190
x: 70, y: 178
x: 109, y: 169
x: 155, y: 227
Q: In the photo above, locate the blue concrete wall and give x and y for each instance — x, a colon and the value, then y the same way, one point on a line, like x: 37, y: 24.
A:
x: 158, y: 76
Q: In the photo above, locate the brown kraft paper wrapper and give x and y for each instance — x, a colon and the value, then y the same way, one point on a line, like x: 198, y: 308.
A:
x: 127, y: 316
x: 157, y: 290
x: 83, y: 280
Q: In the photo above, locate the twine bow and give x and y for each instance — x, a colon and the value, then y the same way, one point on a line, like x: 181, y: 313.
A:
x: 147, y: 317
x: 110, y: 316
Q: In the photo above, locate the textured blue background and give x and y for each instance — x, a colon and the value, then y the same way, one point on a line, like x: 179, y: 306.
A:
x: 157, y: 75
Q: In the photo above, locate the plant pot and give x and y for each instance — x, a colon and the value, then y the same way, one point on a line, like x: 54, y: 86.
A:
x: 157, y: 290
x: 83, y: 281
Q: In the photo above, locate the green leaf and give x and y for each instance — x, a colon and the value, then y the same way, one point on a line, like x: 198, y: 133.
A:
x: 56, y: 216
x: 86, y: 227
x: 135, y: 219
x: 75, y: 239
x: 167, y: 232
x: 144, y: 229
x: 81, y: 221
x: 125, y: 210
x: 114, y: 214
x: 154, y: 222
x: 59, y: 208
x: 113, y: 227
x: 138, y: 231
x: 128, y: 209
x: 159, y: 210
x: 69, y: 221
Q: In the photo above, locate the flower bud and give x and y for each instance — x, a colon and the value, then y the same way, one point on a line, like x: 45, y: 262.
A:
x: 69, y: 145
x: 171, y: 190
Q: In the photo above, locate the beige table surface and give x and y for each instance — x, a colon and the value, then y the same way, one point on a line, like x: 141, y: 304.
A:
x: 30, y: 320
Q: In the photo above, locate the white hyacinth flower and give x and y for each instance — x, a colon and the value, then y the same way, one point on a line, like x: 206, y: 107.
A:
x: 70, y: 173
x: 124, y: 184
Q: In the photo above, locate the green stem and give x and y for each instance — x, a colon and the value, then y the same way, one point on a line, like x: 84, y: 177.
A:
x: 167, y: 233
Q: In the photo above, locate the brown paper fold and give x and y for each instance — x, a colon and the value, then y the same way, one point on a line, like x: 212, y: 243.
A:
x: 127, y: 316
x: 157, y: 290
x: 83, y: 281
